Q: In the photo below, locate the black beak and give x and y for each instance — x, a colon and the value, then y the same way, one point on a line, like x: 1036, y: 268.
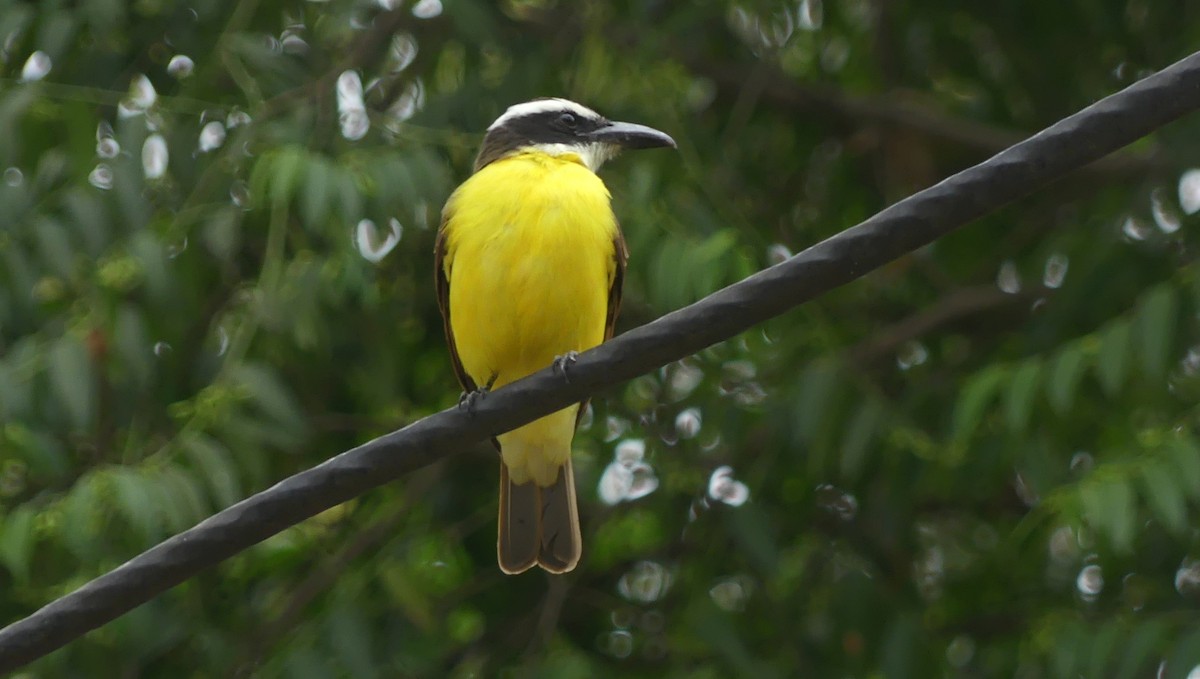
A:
x: 631, y: 136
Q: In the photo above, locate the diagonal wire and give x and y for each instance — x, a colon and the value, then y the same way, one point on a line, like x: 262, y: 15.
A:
x: 1071, y: 143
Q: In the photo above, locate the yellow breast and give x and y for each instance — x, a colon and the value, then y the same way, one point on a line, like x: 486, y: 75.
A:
x: 530, y: 258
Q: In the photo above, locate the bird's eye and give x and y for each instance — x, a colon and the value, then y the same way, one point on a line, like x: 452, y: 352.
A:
x: 568, y: 119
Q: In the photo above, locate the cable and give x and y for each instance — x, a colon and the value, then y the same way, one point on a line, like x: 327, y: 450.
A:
x: 1071, y: 143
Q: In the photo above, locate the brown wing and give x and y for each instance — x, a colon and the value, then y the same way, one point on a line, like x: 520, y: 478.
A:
x: 442, y: 283
x: 621, y: 254
x: 621, y: 257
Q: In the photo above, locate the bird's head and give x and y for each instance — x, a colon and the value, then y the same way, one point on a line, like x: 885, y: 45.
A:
x: 561, y: 127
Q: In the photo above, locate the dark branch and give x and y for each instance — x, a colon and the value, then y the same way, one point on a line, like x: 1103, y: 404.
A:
x: 904, y: 112
x: 955, y: 307
x: 1071, y: 143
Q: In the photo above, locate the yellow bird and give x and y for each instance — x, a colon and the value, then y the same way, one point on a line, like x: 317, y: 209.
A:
x: 529, y: 264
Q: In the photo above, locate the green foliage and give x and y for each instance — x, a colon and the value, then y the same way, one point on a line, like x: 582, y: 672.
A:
x: 980, y: 461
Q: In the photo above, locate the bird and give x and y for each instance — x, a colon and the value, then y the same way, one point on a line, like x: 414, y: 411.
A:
x: 529, y: 266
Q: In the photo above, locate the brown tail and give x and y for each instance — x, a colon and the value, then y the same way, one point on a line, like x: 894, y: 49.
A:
x: 538, y: 525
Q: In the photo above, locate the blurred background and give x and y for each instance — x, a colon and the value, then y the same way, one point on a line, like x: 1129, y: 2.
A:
x: 216, y: 233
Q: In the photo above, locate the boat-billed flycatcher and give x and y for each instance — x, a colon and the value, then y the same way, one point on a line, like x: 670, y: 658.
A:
x: 529, y: 264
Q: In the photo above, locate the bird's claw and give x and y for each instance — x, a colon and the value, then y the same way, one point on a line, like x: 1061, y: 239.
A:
x: 468, y: 399
x: 563, y: 363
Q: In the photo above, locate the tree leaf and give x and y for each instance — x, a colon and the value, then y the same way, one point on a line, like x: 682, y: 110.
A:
x: 152, y: 259
x: 55, y: 246
x: 973, y: 400
x: 1113, y: 363
x: 1136, y: 650
x: 817, y: 384
x: 1063, y: 380
x: 132, y: 343
x: 1186, y: 454
x: 751, y: 527
x: 351, y: 636
x: 861, y: 430
x: 1156, y: 329
x: 14, y: 392
x: 1165, y: 496
x: 723, y: 637
x: 1109, y: 507
x: 307, y: 663
x: 82, y: 514
x: 1022, y: 391
x: 212, y: 461
x: 181, y: 501
x: 318, y: 193
x: 821, y: 390
x: 89, y: 220
x: 349, y: 199
x: 1186, y: 654
x: 1103, y: 644
x: 16, y: 543
x: 71, y: 380
x: 137, y: 501
x: 271, y: 396
x: 222, y: 232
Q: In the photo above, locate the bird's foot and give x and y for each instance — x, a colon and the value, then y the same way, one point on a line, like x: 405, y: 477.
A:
x: 467, y: 401
x: 563, y: 363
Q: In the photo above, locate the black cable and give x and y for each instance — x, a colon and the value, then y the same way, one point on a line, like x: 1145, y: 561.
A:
x: 1071, y: 143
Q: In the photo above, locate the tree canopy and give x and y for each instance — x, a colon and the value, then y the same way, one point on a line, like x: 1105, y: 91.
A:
x: 216, y: 233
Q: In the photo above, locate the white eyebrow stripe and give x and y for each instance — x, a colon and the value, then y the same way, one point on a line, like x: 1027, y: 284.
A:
x: 541, y: 106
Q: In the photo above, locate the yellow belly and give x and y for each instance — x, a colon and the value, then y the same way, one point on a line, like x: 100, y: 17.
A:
x: 530, y: 261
